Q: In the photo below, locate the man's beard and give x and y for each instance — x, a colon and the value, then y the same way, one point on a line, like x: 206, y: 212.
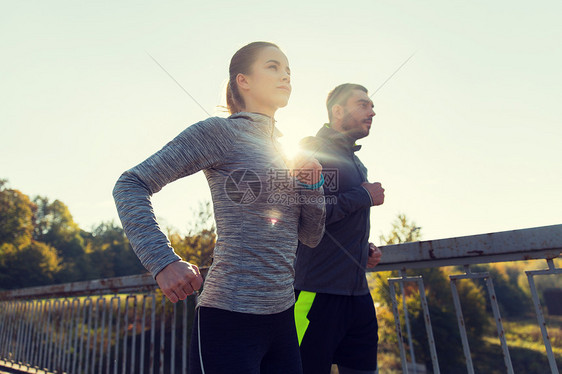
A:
x: 350, y: 130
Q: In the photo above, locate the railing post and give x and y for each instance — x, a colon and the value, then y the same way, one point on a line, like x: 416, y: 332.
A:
x: 495, y: 309
x: 43, y: 339
x: 184, y: 338
x: 427, y: 320
x: 89, y: 302
x: 17, y: 350
x: 162, y: 336
x: 407, y: 323
x: 134, y: 337
x: 398, y: 327
x: 152, y: 334
x: 117, y: 333
x: 173, y: 340
x: 538, y: 309
x: 460, y: 320
x: 428, y: 327
x: 61, y: 344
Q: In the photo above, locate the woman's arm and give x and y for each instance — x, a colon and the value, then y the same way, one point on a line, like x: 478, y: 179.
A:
x: 198, y: 147
x: 313, y: 216
x: 313, y: 211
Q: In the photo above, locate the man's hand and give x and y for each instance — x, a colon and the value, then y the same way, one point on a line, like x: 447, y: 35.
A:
x: 306, y: 168
x: 179, y: 280
x: 376, y: 191
x: 375, y: 256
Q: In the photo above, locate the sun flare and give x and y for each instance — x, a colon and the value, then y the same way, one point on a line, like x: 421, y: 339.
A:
x: 291, y: 148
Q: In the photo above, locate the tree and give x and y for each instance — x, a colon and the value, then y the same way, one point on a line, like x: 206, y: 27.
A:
x: 16, y: 216
x: 402, y: 231
x: 198, y: 245
x: 196, y: 248
x: 512, y: 300
x: 24, y: 262
x: 55, y: 226
x: 109, y: 252
x: 36, y: 264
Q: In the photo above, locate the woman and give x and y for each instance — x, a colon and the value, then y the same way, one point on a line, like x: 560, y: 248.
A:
x: 244, y: 322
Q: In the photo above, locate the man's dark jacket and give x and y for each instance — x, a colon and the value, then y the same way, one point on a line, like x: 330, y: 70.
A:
x: 337, y: 265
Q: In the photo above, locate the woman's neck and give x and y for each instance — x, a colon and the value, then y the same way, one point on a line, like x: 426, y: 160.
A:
x: 261, y: 109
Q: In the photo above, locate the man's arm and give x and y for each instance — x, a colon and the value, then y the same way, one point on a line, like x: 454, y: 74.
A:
x: 375, y: 256
x: 364, y: 196
x: 346, y: 203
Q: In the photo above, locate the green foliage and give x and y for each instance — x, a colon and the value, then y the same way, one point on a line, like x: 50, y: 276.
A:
x: 526, y: 347
x: 24, y: 262
x: 16, y: 216
x: 447, y: 339
x: 196, y: 249
x: 198, y: 245
x: 476, y: 318
x: 109, y: 252
x: 33, y: 265
x: 512, y: 300
x: 402, y: 231
x: 54, y: 225
x: 40, y: 243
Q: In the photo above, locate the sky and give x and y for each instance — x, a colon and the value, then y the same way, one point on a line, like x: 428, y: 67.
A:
x: 468, y: 133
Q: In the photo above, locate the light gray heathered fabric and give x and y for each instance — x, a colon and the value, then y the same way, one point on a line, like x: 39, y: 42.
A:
x: 252, y: 270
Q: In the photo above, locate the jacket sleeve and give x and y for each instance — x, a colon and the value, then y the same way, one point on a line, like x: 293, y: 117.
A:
x: 346, y: 203
x: 312, y: 218
x: 200, y: 146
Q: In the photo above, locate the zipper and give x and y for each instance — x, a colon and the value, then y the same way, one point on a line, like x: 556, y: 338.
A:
x: 360, y: 271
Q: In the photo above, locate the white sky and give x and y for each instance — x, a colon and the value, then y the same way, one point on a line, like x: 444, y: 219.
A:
x: 467, y: 137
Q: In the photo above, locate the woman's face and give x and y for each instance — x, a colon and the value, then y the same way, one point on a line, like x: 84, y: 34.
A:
x: 269, y: 83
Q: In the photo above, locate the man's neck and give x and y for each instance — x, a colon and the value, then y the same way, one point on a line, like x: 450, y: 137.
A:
x: 346, y: 135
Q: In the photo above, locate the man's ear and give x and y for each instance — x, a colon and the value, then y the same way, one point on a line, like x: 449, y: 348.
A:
x: 242, y: 81
x: 337, y: 112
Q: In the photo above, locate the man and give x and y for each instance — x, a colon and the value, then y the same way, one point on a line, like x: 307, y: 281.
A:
x: 334, y: 312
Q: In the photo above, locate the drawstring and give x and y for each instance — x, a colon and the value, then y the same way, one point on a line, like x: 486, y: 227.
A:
x: 199, y: 339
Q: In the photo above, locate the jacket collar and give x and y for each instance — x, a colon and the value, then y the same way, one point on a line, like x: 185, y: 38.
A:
x: 261, y: 121
x: 336, y: 137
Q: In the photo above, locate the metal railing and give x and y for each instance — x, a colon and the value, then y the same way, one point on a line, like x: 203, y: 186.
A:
x: 124, y: 325
x: 115, y: 325
x: 519, y: 245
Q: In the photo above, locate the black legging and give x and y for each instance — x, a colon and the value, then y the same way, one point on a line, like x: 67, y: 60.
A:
x: 243, y: 343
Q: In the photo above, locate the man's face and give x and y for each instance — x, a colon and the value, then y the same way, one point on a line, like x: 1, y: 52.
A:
x: 357, y: 115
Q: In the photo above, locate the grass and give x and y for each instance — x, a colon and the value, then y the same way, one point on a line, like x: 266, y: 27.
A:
x: 524, y: 340
x: 526, y: 346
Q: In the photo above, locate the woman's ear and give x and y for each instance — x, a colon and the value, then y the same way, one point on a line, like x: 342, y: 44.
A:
x: 243, y: 82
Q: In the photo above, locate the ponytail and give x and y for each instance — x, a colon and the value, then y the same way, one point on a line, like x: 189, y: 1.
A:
x: 232, y: 104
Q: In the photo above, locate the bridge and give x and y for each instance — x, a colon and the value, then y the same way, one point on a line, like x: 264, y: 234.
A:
x: 124, y: 325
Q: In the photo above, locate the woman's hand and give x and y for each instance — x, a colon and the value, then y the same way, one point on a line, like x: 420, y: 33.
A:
x: 178, y: 280
x: 306, y: 169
